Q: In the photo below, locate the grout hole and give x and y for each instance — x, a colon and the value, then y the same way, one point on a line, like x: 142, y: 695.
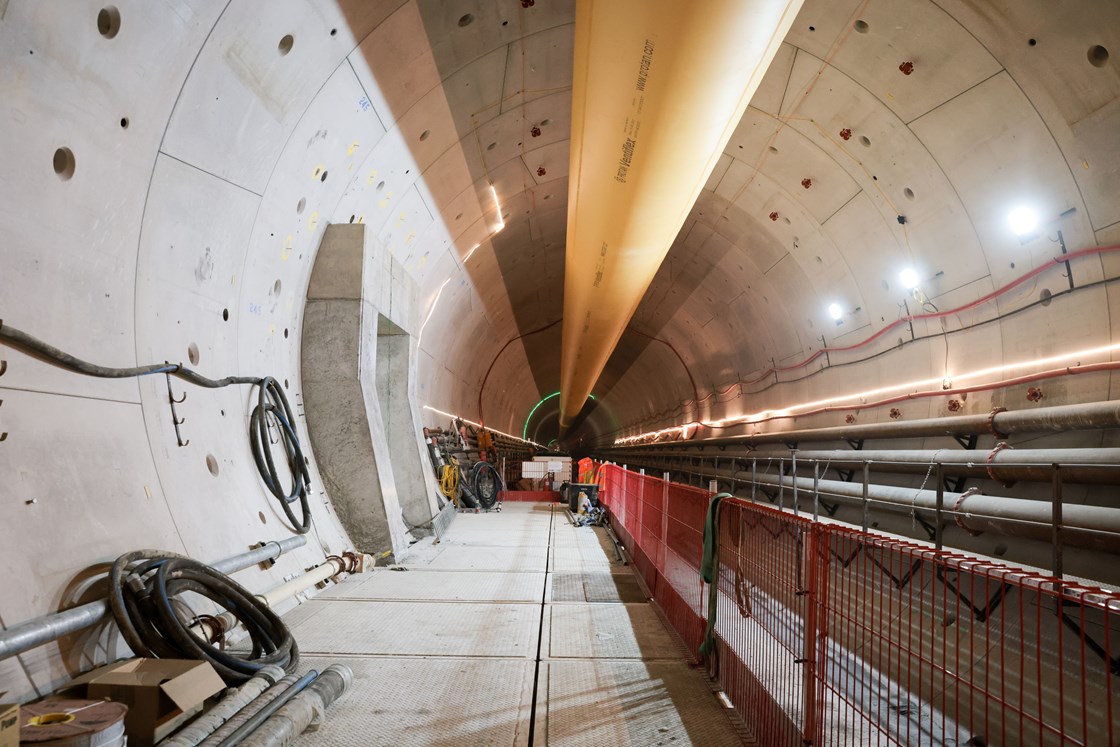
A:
x: 861, y: 26
x: 491, y: 146
x: 812, y: 28
x: 109, y: 21
x: 1032, y: 41
x: 285, y: 333
x: 286, y: 44
x: 212, y: 464
x: 334, y: 32
x: 225, y: 315
x: 64, y: 163
x: 276, y: 287
x: 466, y: 20
x: 546, y: 122
x: 865, y: 141
x: 425, y: 135
x: 285, y: 383
x: 1098, y: 56
x: 773, y: 149
x: 380, y: 186
x: 124, y: 123
x: 1044, y: 297
x: 192, y: 354
x: 352, y: 217
x: 909, y: 193
x: 260, y: 515
x: 323, y: 178
x: 301, y: 205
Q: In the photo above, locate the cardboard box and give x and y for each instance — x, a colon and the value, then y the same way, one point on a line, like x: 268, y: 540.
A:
x: 161, y: 694
x: 9, y: 725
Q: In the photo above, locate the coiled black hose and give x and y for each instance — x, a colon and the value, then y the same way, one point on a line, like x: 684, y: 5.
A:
x: 143, y: 590
x: 270, y: 399
x: 486, y: 484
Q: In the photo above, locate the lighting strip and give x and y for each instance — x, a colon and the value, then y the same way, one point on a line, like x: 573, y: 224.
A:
x: 420, y: 336
x: 453, y: 416
x: 525, y: 428
x: 946, y: 383
x: 498, y: 207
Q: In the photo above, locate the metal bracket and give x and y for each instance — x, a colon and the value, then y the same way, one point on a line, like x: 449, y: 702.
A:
x: 981, y: 613
x: 856, y: 444
x: 931, y: 530
x: 845, y: 562
x: 899, y: 582
x: 175, y: 419
x: 968, y: 443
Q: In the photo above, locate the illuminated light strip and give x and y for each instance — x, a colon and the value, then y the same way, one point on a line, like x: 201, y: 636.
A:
x: 471, y: 252
x: 453, y: 416
x: 946, y: 388
x: 498, y: 207
x: 420, y: 336
x: 525, y: 428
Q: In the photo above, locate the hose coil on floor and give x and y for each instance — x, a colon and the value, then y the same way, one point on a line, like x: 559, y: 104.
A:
x: 144, y: 589
x: 486, y: 484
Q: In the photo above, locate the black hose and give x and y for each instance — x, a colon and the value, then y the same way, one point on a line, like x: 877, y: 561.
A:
x: 486, y: 484
x: 270, y: 399
x: 143, y: 586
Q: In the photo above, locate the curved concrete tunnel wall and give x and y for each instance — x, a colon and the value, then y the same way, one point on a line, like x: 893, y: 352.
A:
x: 210, y: 151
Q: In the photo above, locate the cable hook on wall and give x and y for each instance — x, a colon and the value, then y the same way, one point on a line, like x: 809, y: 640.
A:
x: 175, y: 419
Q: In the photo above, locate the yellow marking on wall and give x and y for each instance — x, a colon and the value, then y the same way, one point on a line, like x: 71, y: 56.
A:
x: 411, y: 235
x: 372, y: 177
x: 318, y: 171
x: 272, y: 329
x: 353, y: 147
x: 313, y: 220
x: 286, y: 249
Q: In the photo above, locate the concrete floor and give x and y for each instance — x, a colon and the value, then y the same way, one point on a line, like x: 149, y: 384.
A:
x: 446, y: 650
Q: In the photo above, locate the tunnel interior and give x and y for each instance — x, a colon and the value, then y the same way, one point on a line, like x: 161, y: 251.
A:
x: 917, y: 217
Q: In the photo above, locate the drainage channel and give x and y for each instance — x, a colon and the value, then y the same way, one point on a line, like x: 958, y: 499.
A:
x: 540, y: 631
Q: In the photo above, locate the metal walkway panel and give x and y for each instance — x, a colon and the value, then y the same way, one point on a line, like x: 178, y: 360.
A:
x: 623, y: 703
x: 609, y: 631
x: 405, y: 702
x: 451, y: 586
x: 419, y: 629
x: 486, y: 558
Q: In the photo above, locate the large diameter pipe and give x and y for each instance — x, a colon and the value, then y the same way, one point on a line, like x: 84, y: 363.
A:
x: 230, y: 706
x: 1082, y: 417
x: 249, y: 718
x: 306, y: 710
x: 41, y: 630
x: 658, y: 88
x: 1083, y: 466
x: 1086, y: 526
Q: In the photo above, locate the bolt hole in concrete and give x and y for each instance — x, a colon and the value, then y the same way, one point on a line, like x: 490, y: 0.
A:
x: 1032, y: 42
x: 546, y: 122
x: 109, y: 21
x: 64, y: 163
x: 124, y: 123
x: 1098, y: 56
x: 773, y: 149
x: 861, y: 26
x: 286, y: 44
x: 1044, y: 297
x: 425, y: 135
x: 276, y: 287
x: 491, y: 146
x: 225, y: 315
x: 334, y: 32
x: 192, y: 354
x: 301, y: 205
x: 380, y: 186
x: 323, y: 178
x: 865, y: 141
x: 466, y: 20
x: 212, y: 464
x: 909, y: 193
x: 285, y: 333
x: 285, y: 383
x: 260, y: 515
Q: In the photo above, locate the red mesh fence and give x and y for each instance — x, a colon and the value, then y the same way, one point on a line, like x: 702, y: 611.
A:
x: 827, y: 635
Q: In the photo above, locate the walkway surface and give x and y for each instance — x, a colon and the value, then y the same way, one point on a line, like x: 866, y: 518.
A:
x: 516, y: 629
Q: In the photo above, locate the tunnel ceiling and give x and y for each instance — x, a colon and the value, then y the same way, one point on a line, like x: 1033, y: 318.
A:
x: 886, y: 135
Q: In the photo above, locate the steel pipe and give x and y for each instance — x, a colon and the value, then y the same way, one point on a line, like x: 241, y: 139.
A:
x: 305, y: 710
x: 232, y: 704
x: 1082, y: 417
x: 1085, y: 466
x: 1093, y: 527
x: 41, y: 630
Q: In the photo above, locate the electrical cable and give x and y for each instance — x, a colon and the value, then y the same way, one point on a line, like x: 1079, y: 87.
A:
x: 143, y: 586
x: 486, y: 484
x: 271, y: 400
x: 449, y: 480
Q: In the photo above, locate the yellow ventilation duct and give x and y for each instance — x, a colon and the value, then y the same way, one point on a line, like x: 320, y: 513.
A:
x: 658, y: 88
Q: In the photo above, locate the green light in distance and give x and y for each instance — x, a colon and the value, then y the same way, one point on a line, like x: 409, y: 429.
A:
x: 525, y: 428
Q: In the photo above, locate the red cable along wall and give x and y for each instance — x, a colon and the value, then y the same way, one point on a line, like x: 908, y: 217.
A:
x: 827, y: 635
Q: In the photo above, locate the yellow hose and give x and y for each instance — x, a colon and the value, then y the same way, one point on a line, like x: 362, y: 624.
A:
x: 449, y: 480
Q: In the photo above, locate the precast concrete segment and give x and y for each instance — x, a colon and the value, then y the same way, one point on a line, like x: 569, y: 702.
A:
x: 657, y: 90
x: 448, y: 586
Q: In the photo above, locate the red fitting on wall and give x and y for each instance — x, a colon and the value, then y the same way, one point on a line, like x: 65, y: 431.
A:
x: 535, y: 131
x: 806, y: 182
x: 846, y: 134
x: 528, y: 3
x: 849, y: 418
x: 774, y: 215
x: 541, y: 171
x: 1034, y: 394
x: 895, y: 413
x: 955, y: 405
x: 906, y: 67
